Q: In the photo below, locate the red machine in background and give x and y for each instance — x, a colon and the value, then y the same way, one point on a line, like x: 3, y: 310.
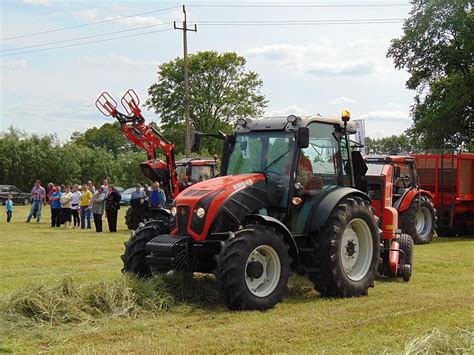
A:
x: 414, y: 205
x: 397, y: 252
x: 450, y: 179
x: 174, y: 176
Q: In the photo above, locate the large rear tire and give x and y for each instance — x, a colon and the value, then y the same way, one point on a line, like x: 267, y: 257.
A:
x: 134, y: 257
x: 253, y: 268
x: 419, y: 220
x: 346, y: 251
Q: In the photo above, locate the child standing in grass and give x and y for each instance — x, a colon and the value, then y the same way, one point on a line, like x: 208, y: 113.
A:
x: 9, y: 206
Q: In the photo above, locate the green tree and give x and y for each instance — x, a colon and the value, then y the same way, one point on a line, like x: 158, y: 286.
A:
x: 221, y: 90
x: 390, y: 145
x: 108, y: 136
x: 437, y: 50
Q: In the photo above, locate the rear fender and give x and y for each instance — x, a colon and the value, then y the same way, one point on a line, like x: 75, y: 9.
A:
x: 321, y: 213
x: 280, y: 227
x: 407, y: 198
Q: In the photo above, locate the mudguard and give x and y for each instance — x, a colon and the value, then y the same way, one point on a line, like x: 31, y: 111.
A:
x: 279, y: 226
x: 321, y: 213
x: 407, y: 198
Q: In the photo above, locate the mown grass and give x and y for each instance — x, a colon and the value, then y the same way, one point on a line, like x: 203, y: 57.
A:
x: 62, y: 291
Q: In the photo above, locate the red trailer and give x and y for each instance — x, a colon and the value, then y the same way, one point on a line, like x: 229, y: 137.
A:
x: 450, y: 179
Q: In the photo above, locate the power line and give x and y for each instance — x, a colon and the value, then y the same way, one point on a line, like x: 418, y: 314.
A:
x: 86, y: 37
x: 298, y: 23
x: 299, y: 6
x: 88, y: 24
x: 83, y: 43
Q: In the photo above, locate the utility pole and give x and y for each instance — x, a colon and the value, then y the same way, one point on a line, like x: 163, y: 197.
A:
x: 185, y: 29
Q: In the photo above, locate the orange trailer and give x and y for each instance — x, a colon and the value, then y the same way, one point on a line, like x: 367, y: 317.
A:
x: 450, y: 179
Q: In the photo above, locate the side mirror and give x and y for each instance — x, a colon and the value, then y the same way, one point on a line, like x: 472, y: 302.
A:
x: 303, y: 137
x: 196, y: 142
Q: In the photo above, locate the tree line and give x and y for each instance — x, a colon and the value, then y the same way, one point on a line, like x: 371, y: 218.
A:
x: 25, y: 158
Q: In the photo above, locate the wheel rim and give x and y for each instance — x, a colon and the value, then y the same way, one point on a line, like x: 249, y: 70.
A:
x: 262, y: 271
x: 423, y: 222
x: 356, y: 249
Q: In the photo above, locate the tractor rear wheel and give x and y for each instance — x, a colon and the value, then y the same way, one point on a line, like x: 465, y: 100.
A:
x: 419, y: 220
x: 253, y: 268
x: 406, y: 244
x: 134, y: 257
x: 346, y: 251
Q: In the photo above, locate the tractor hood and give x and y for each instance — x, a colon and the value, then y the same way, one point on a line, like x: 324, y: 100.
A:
x: 218, y: 205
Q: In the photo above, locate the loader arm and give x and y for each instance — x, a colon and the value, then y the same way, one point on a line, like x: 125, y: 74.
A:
x: 137, y: 131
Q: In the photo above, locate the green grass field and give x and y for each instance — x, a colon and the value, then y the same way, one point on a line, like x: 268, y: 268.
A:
x: 433, y: 312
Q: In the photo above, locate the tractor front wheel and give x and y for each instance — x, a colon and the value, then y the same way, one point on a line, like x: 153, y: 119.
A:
x: 134, y: 257
x: 419, y: 220
x: 253, y: 268
x: 346, y: 251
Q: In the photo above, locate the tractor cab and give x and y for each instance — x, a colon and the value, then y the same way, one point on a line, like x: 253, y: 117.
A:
x: 405, y: 176
x: 301, y: 159
x: 193, y: 170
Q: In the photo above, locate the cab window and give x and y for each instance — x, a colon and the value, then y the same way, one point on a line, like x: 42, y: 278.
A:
x: 318, y: 164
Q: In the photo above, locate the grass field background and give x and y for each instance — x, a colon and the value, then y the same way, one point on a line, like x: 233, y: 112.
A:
x: 35, y: 259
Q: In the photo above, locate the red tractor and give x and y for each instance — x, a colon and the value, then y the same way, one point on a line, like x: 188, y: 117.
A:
x: 174, y: 176
x: 286, y: 201
x: 417, y: 214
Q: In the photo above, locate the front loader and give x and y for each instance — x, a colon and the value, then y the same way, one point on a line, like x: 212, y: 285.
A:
x: 174, y: 176
x: 287, y: 201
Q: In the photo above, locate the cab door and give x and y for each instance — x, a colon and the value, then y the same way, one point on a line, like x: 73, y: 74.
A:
x: 318, y: 171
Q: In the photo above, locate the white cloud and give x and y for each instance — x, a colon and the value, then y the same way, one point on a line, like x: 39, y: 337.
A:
x: 281, y: 51
x: 386, y: 116
x: 116, y: 60
x: 289, y: 110
x: 38, y: 2
x: 362, y: 44
x: 292, y: 55
x: 20, y: 64
x: 342, y: 100
x: 349, y: 68
x: 90, y: 15
x: 94, y: 15
x: 138, y: 21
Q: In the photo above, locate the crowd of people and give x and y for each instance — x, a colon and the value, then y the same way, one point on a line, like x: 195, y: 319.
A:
x: 76, y: 208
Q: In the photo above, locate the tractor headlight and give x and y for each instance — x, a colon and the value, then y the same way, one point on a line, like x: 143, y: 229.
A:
x: 200, y: 212
x: 173, y: 211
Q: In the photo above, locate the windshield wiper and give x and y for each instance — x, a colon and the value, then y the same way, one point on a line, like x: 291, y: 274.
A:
x: 272, y: 163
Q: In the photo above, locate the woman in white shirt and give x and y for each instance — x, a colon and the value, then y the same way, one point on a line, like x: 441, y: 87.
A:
x: 75, y: 200
x: 65, y: 200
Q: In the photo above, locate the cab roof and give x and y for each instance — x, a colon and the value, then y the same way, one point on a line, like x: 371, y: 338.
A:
x: 278, y: 123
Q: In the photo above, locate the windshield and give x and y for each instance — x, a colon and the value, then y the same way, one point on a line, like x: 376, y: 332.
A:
x: 261, y: 152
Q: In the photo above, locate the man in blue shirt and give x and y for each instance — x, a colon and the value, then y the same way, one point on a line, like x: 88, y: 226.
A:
x: 56, y: 207
x: 38, y: 195
x: 9, y: 206
x: 157, y: 196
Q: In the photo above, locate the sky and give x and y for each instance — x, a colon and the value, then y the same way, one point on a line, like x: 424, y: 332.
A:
x: 306, y: 69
